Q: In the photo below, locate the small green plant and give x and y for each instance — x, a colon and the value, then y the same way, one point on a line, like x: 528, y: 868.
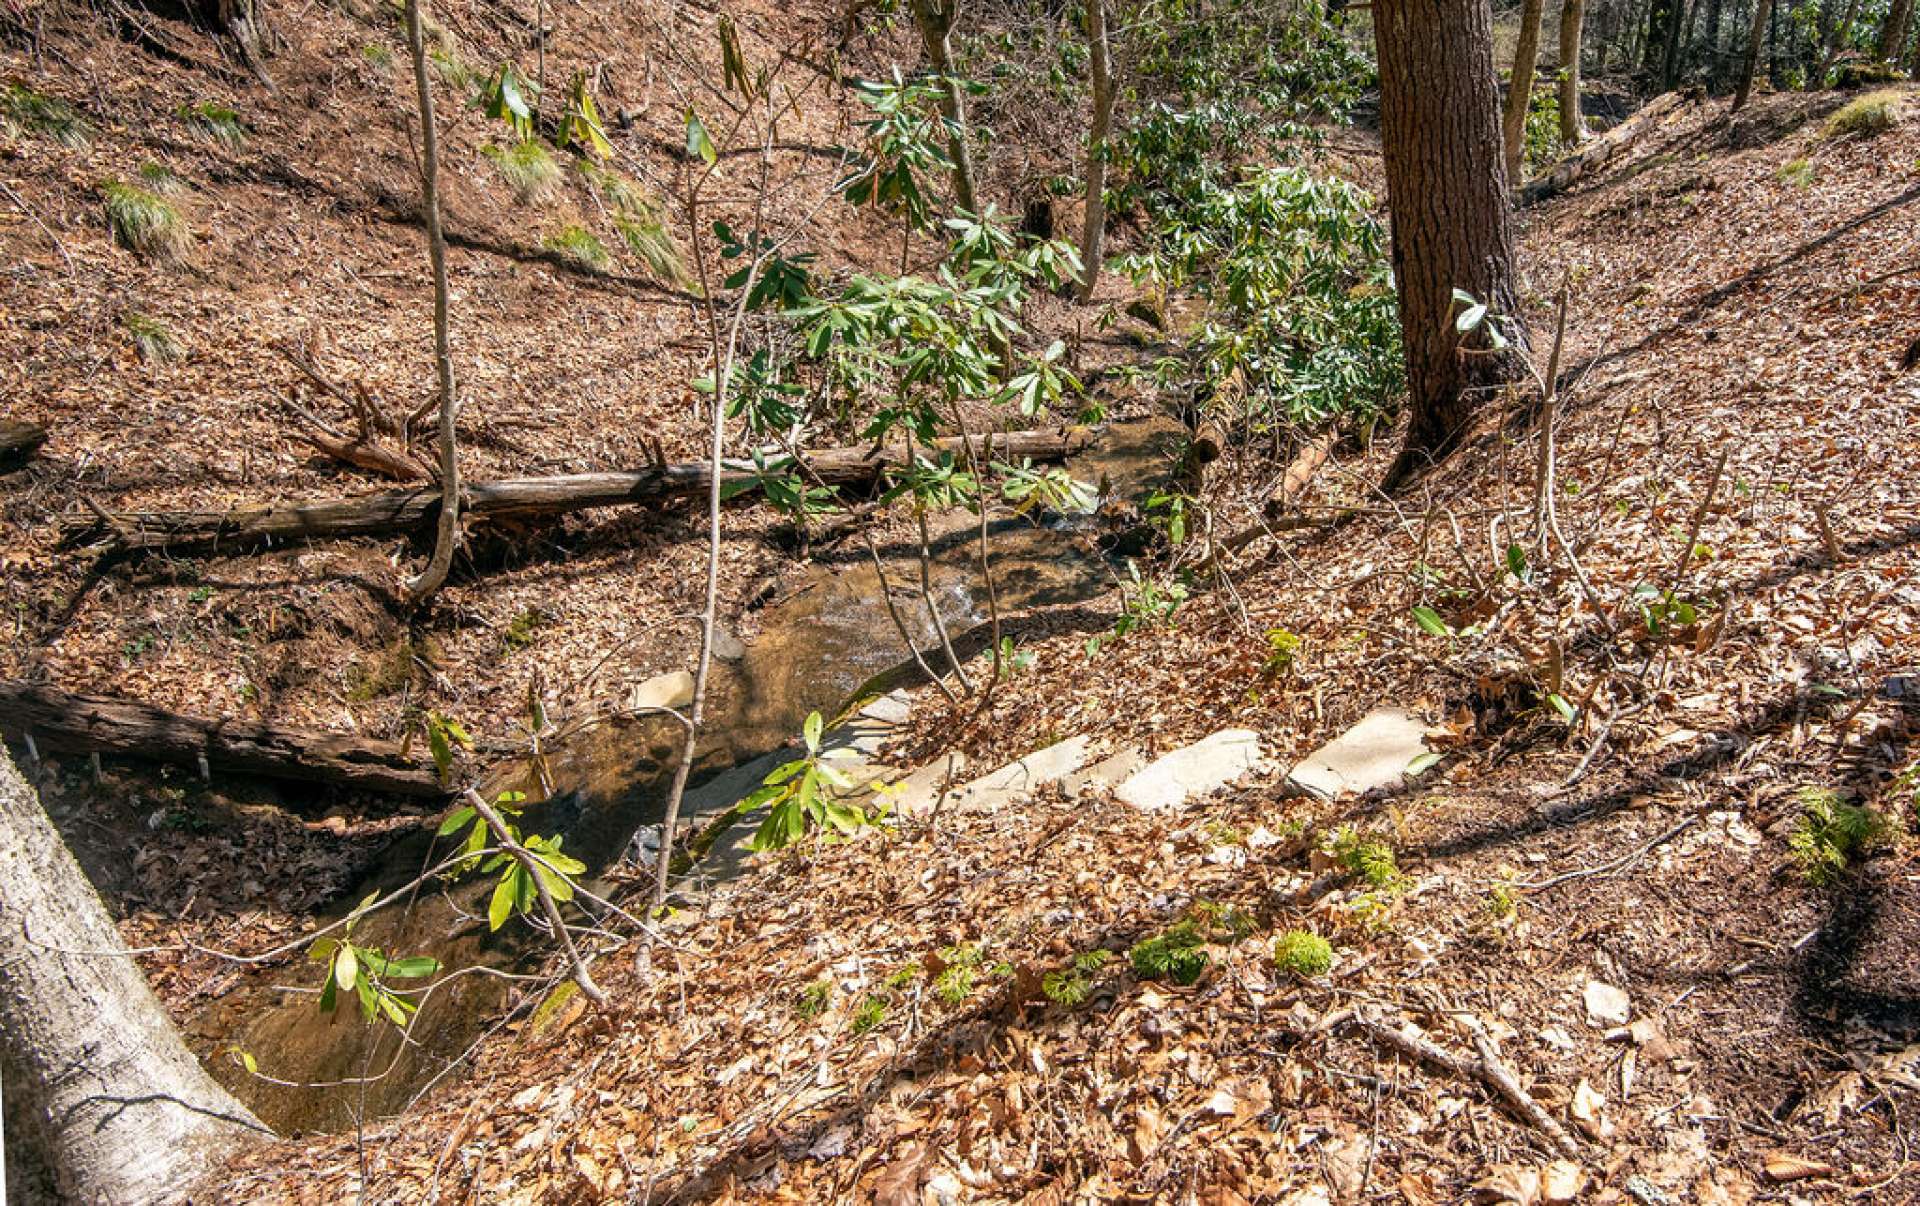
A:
x: 151, y: 338
x: 517, y: 892
x: 578, y: 246
x: 1147, y: 603
x: 1073, y: 984
x: 1177, y: 955
x: 1502, y: 904
x: 364, y: 971
x: 1220, y: 833
x: 871, y: 1013
x: 454, y: 71
x: 1543, y: 145
x: 141, y: 643
x: 378, y: 57
x: 1013, y: 660
x: 956, y: 980
x: 1227, y: 922
x: 804, y: 793
x: 523, y: 628
x: 529, y: 169
x: 1866, y: 116
x: 1370, y: 860
x: 215, y: 123
x: 160, y: 179
x: 444, y: 735
x: 1283, y: 651
x: 811, y: 1001
x: 1797, y: 172
x: 143, y: 222
x: 503, y: 95
x: 42, y: 116
x: 1302, y: 953
x: 1830, y: 834
x: 1662, y: 611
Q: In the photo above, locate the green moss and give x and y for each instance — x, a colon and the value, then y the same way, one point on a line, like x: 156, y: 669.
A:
x: 1175, y: 955
x: 578, y: 246
x: 143, y: 222
x: 1797, y: 172
x: 521, y: 631
x: 215, y: 123
x: 381, y: 674
x: 1874, y: 113
x: 529, y: 169
x: 1303, y: 954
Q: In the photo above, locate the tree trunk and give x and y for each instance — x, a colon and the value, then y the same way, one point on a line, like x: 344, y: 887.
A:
x: 1094, y: 232
x: 1755, y: 35
x: 935, y: 22
x: 406, y: 510
x: 1447, y: 192
x: 1573, y: 126
x: 55, y: 719
x: 434, y: 575
x: 1893, y: 35
x: 119, y: 1110
x: 1674, y: 59
x: 1526, y: 55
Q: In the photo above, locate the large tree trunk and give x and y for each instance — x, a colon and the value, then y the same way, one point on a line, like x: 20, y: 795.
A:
x: 1762, y: 9
x: 1094, y: 231
x: 1573, y: 126
x: 1893, y: 35
x: 1447, y: 191
x: 408, y: 510
x: 434, y: 575
x: 935, y: 21
x: 118, y: 1109
x: 1526, y: 55
x: 58, y: 720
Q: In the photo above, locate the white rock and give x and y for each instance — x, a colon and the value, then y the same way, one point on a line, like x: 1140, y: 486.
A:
x: 671, y: 690
x: 1374, y: 753
x: 1607, y: 1005
x: 1195, y: 770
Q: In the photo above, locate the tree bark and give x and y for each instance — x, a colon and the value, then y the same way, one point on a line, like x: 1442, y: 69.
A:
x: 1094, y: 231
x: 1762, y: 9
x: 1893, y: 35
x: 1447, y: 192
x: 1674, y: 60
x: 434, y: 575
x: 57, y: 720
x: 1526, y: 55
x: 935, y: 22
x: 1573, y: 125
x: 407, y: 510
x: 119, y: 1109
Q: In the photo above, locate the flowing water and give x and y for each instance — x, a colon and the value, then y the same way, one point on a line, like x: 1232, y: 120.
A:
x: 828, y: 636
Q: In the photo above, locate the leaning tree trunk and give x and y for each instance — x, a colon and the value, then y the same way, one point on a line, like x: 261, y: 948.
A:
x: 1526, y: 54
x: 120, y: 1110
x: 434, y: 575
x: 1094, y: 231
x: 1762, y: 10
x: 1447, y: 192
x: 935, y: 21
x: 1573, y: 126
x: 1893, y: 35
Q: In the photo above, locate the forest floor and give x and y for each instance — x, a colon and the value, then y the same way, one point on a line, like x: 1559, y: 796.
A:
x: 1614, y: 904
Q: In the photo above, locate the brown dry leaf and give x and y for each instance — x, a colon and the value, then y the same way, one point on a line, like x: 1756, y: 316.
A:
x: 1561, y: 1182
x: 1508, y: 1183
x: 1148, y: 1126
x: 1785, y: 1166
x: 899, y: 1182
x: 1588, y: 1108
x: 1651, y: 1040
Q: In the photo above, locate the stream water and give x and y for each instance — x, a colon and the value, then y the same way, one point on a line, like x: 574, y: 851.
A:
x: 830, y: 634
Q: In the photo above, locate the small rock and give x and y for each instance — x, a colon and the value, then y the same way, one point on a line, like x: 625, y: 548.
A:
x: 671, y: 690
x: 1372, y: 754
x: 1195, y: 770
x: 1607, y: 1005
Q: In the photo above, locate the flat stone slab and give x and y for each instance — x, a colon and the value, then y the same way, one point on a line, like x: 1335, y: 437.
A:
x: 1195, y: 770
x: 673, y: 689
x: 1104, y: 775
x: 1021, y: 776
x: 1374, y: 753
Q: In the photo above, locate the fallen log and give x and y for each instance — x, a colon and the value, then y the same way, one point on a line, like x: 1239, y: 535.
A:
x: 1599, y: 151
x: 49, y: 718
x: 1299, y: 475
x: 407, y: 510
x: 18, y: 442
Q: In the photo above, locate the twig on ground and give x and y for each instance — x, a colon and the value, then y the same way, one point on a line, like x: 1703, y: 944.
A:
x: 1608, y: 868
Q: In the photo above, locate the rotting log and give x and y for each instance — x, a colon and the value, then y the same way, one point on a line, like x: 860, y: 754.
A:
x: 18, y: 442
x: 409, y: 510
x: 1299, y: 475
x: 1599, y: 151
x: 52, y: 719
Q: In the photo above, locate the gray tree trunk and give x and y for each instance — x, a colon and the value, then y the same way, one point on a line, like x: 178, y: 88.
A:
x: 1762, y: 11
x: 1526, y: 55
x: 935, y: 22
x: 1893, y: 35
x: 1573, y: 126
x: 1094, y: 232
x: 115, y: 1107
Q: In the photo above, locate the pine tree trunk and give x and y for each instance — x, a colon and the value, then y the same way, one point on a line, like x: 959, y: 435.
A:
x: 935, y: 21
x: 1094, y: 231
x: 1755, y: 35
x: 1526, y: 55
x: 1893, y: 35
x: 1573, y: 126
x: 119, y: 1110
x: 1447, y: 191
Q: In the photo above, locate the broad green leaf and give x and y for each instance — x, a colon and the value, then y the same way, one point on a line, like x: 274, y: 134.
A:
x: 1422, y: 764
x: 413, y: 967
x: 1429, y: 621
x: 699, y: 142
x: 812, y: 731
x: 455, y: 822
x: 1560, y: 705
x: 346, y: 967
x: 501, y: 906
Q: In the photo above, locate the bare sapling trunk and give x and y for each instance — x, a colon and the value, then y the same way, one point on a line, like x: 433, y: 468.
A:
x: 1094, y: 231
x: 934, y: 18
x: 447, y: 535
x: 1526, y: 55
x: 1762, y: 11
x: 122, y: 1110
x: 1447, y: 193
x: 1573, y: 126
